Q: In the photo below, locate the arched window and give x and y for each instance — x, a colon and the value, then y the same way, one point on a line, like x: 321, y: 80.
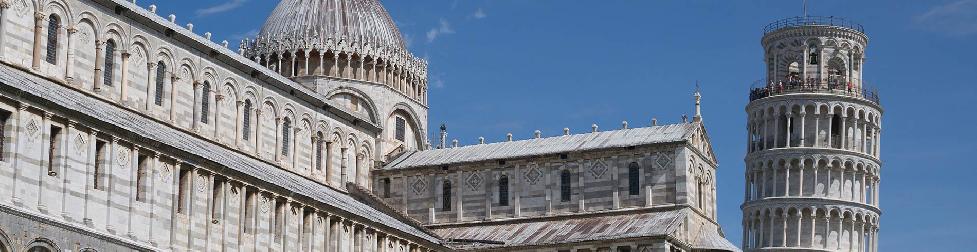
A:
x: 109, y: 68
x: 246, y: 122
x: 160, y: 74
x: 504, y: 190
x: 446, y: 196
x: 634, y: 176
x: 205, y: 102
x: 54, y: 23
x: 837, y: 72
x: 286, y: 136
x: 812, y: 54
x: 99, y: 171
x: 565, y: 186
x: 41, y: 246
x: 318, y: 151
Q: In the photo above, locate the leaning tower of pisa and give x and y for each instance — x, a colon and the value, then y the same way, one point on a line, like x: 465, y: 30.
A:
x: 812, y: 166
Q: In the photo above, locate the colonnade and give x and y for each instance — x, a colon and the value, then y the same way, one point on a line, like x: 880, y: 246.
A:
x: 347, y: 65
x: 821, y: 178
x: 805, y: 126
x: 810, y: 227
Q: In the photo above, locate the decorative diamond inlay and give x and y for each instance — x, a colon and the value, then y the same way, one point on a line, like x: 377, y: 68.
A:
x: 533, y: 174
x: 599, y: 169
x: 663, y: 161
x: 419, y: 186
x: 79, y: 144
x: 474, y: 181
x: 32, y: 129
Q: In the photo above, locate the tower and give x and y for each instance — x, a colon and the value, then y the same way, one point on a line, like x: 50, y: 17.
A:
x: 812, y: 165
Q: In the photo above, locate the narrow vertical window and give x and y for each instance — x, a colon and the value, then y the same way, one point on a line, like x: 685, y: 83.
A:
x: 99, y: 171
x: 401, y: 129
x: 565, y: 186
x: 183, y: 191
x: 246, y: 122
x: 634, y: 179
x: 141, y: 178
x: 160, y: 75
x: 4, y: 119
x: 318, y: 151
x: 386, y: 187
x: 217, y: 201
x: 504, y: 190
x: 53, y: 150
x: 286, y: 136
x: 54, y: 23
x: 813, y: 54
x: 205, y: 102
x: 109, y: 68
x: 446, y: 196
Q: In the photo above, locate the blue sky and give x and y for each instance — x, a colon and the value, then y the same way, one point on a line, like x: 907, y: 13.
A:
x: 499, y: 66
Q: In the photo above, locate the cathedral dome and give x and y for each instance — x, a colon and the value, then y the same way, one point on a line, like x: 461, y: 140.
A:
x: 342, y: 39
x: 309, y: 22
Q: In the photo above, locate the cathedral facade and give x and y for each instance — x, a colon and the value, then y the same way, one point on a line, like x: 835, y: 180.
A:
x: 123, y: 130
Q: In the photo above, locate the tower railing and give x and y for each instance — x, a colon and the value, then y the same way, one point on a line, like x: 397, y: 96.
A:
x: 762, y: 88
x: 812, y: 21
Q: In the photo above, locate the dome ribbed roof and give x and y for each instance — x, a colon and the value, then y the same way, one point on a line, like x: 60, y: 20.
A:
x: 316, y: 21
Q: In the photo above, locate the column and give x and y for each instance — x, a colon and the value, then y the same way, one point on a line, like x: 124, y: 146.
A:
x: 4, y: 22
x: 90, y: 174
x: 327, y: 232
x: 69, y: 70
x: 817, y: 131
x: 322, y: 62
x: 774, y: 185
x: 133, y: 190
x: 278, y: 140
x: 124, y: 97
x: 45, y: 161
x: 109, y: 173
x: 787, y: 167
x: 803, y: 135
x: 18, y: 121
x: 150, y: 83
x: 783, y: 234
x: 153, y: 164
x: 38, y: 30
x: 293, y: 65
x: 197, y: 94
x: 99, y: 64
x: 844, y: 132
x: 841, y: 228
x: 218, y: 100
x: 173, y: 80
x: 238, y: 123
x: 787, y: 130
x: 306, y: 70
x: 342, y: 166
x: 814, y: 225
x: 800, y: 178
x: 831, y: 119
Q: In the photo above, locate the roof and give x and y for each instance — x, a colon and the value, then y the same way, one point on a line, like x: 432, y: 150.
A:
x: 710, y: 239
x: 363, y: 21
x: 564, y: 230
x: 546, y: 146
x: 98, y: 111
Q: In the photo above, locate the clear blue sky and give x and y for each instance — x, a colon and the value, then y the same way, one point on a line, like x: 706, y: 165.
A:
x: 499, y: 66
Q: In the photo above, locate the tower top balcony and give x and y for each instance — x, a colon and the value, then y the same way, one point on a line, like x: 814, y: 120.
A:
x: 762, y: 88
x: 813, y: 21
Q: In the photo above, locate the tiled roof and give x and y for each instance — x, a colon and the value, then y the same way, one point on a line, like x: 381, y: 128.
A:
x: 28, y: 84
x: 549, y: 231
x: 545, y: 146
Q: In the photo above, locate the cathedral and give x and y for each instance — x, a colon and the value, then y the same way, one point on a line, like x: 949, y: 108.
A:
x: 122, y: 129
